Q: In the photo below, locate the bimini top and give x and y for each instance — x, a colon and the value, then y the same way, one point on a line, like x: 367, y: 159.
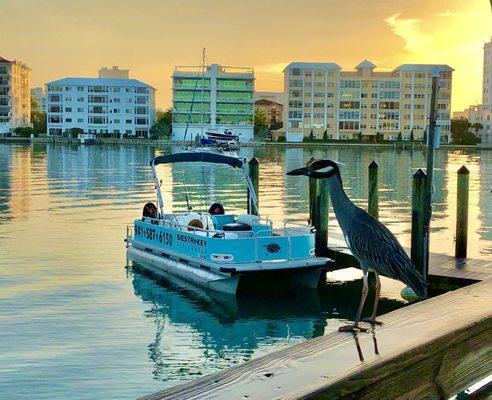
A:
x: 198, y: 157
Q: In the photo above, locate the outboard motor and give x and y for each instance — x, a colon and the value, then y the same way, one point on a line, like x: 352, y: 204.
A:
x: 150, y: 211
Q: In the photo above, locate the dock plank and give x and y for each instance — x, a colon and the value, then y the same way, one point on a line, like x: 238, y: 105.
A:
x: 440, y: 265
x: 430, y: 349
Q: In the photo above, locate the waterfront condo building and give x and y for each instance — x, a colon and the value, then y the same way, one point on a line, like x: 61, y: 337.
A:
x: 215, y: 99
x: 480, y: 115
x: 15, y: 95
x: 363, y: 102
x: 120, y: 107
x: 38, y: 96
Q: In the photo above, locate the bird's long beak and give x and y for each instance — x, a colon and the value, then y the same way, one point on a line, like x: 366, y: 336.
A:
x: 300, y: 171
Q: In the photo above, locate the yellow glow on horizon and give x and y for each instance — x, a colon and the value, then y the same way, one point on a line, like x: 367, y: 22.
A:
x: 76, y: 38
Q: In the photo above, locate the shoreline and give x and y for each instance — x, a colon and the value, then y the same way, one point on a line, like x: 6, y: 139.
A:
x: 153, y: 142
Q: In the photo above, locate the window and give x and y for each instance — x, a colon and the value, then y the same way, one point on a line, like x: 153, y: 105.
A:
x: 116, y: 90
x: 307, y: 73
x: 350, y: 84
x: 116, y: 100
x: 80, y: 119
x: 80, y: 110
x: 295, y: 103
x: 55, y: 109
x: 116, y: 110
x: 128, y: 111
x: 296, y: 71
x: 54, y: 119
x: 128, y: 90
x: 68, y: 109
x: 130, y: 100
x: 68, y: 119
x: 80, y: 99
x: 128, y: 121
x: 389, y: 95
x: 350, y: 115
x: 54, y: 98
x: 350, y: 104
x: 68, y: 99
x: 80, y: 88
x: 348, y: 125
x: 68, y: 88
x: 116, y: 121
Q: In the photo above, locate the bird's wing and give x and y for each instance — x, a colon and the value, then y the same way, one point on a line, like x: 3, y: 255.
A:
x: 377, y: 248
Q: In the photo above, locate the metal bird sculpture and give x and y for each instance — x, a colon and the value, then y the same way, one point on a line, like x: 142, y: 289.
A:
x: 374, y: 246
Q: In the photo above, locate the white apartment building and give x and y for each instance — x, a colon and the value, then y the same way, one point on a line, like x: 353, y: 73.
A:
x: 363, y: 102
x: 122, y: 107
x: 218, y: 99
x: 482, y: 113
x: 38, y: 94
x: 15, y: 95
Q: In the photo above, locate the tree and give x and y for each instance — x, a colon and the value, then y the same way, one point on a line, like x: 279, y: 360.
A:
x: 260, y: 122
x: 276, y: 125
x: 163, y: 124
x: 74, y: 132
x: 325, y: 136
x: 24, y: 132
x: 460, y: 131
x: 399, y: 137
x: 412, y: 138
x: 311, y: 136
x: 359, y: 136
x: 477, y: 126
x: 38, y: 120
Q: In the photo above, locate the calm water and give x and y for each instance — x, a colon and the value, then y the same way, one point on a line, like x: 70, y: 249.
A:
x: 75, y: 322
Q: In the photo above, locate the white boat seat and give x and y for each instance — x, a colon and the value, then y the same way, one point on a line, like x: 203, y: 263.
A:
x: 248, y: 219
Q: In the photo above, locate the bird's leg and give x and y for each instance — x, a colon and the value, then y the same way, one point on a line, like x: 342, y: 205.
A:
x: 373, y: 320
x: 355, y: 327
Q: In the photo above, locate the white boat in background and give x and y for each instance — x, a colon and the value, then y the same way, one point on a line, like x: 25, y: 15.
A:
x: 215, y: 249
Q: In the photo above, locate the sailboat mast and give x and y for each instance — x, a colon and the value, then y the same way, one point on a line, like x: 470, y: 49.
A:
x: 203, y: 84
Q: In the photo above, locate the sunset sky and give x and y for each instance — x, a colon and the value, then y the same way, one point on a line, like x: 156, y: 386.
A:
x: 60, y: 38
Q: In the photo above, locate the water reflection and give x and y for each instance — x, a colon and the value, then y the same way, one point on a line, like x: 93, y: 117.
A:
x: 233, y: 329
x: 67, y: 306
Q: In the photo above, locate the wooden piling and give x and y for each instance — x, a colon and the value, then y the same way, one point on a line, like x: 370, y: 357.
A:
x: 373, y: 197
x: 254, y: 174
x: 312, y: 193
x: 419, y: 185
x: 321, y: 213
x: 462, y: 212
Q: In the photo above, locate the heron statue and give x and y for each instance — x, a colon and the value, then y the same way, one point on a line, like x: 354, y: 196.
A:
x: 374, y: 246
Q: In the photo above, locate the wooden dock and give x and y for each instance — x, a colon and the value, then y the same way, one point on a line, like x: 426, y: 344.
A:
x: 428, y: 350
x: 445, y: 271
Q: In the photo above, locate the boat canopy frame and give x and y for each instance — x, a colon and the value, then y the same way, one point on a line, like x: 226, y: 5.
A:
x: 213, y: 158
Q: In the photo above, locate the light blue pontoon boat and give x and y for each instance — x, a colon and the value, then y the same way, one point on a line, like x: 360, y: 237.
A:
x: 217, y: 250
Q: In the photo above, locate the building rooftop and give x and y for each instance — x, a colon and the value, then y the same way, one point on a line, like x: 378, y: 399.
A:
x: 4, y: 60
x: 265, y: 102
x: 100, y: 82
x: 423, y: 67
x: 314, y: 65
x: 366, y: 64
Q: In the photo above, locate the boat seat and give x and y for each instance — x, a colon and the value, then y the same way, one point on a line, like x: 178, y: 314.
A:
x: 235, y: 227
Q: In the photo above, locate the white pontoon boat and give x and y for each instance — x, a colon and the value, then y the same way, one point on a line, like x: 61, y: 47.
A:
x: 218, y: 250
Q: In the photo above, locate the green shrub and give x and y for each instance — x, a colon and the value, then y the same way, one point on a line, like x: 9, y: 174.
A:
x: 24, y: 132
x: 281, y: 139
